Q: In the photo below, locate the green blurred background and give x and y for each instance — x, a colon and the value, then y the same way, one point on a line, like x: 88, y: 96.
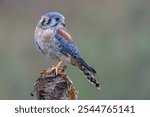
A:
x: 112, y: 35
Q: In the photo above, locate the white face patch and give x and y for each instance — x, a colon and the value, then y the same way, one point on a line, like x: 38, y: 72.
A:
x: 53, y: 22
x: 59, y: 26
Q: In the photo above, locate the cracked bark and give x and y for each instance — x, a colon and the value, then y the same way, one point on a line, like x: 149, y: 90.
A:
x: 50, y: 86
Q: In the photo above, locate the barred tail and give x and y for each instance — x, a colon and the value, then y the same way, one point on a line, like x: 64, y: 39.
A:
x: 88, y: 72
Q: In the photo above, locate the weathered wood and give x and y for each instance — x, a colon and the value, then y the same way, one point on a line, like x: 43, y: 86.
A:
x: 50, y: 86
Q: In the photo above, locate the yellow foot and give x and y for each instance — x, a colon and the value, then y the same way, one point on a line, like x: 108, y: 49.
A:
x: 52, y: 69
x: 58, y: 69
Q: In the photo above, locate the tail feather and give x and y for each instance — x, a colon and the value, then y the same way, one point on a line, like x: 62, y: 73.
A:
x: 88, y: 72
x: 89, y: 68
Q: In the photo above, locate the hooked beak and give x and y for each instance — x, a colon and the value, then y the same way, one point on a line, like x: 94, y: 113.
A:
x: 62, y: 23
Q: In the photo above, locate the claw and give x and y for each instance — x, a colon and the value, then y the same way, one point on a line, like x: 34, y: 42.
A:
x: 57, y: 68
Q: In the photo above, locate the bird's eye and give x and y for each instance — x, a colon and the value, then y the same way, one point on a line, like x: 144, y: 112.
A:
x: 57, y: 19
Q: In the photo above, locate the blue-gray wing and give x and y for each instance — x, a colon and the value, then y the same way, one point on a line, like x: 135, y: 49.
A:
x: 67, y: 47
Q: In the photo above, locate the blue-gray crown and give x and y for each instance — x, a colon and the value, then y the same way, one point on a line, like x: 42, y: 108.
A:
x: 54, y: 15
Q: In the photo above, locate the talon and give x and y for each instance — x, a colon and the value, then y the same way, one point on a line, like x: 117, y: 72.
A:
x: 51, y: 69
x: 58, y: 68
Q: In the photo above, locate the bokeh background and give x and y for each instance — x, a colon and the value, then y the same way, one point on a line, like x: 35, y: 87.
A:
x: 112, y: 35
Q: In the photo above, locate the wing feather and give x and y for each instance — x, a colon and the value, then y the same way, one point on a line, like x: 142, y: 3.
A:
x: 67, y: 47
x: 65, y: 34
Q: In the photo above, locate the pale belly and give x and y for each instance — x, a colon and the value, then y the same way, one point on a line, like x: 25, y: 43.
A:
x: 52, y: 50
x: 49, y: 46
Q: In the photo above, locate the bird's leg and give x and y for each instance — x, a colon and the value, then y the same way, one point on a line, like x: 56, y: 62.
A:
x: 56, y: 68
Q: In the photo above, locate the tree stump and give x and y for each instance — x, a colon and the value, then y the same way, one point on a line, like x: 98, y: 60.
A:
x: 52, y: 86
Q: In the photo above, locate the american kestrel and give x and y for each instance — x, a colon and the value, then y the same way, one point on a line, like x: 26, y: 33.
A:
x: 53, y: 40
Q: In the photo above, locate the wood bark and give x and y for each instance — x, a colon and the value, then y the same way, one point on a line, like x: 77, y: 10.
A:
x: 52, y: 86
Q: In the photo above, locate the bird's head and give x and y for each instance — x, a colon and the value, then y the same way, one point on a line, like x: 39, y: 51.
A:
x: 52, y: 20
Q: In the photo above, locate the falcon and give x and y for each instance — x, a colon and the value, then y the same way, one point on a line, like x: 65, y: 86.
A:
x: 53, y: 40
